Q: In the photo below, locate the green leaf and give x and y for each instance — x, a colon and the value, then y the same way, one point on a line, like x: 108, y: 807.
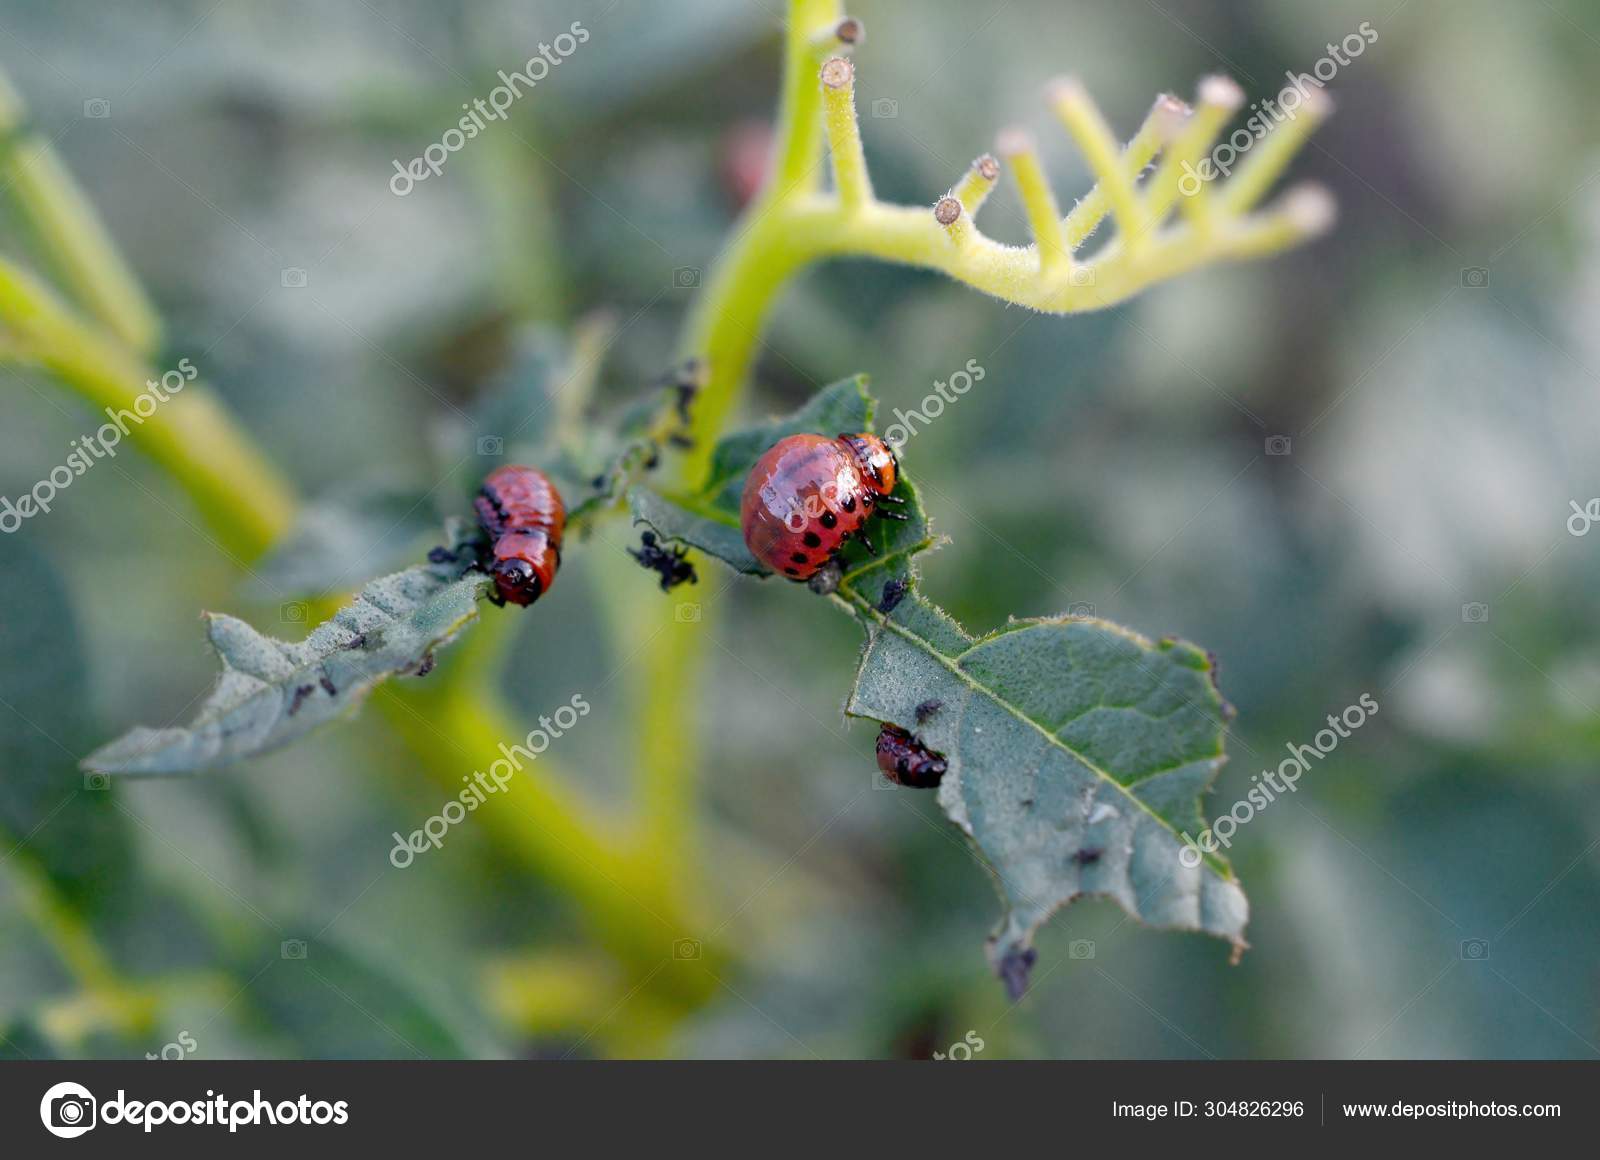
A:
x: 1077, y: 754
x: 65, y: 824
x: 712, y: 532
x: 1077, y: 751
x: 332, y: 1001
x: 21, y: 1038
x: 272, y: 692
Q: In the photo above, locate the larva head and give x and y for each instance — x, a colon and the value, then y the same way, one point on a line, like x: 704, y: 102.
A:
x: 516, y: 581
x: 876, y: 462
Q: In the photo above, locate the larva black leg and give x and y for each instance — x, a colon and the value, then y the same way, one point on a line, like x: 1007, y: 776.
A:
x: 894, y: 499
x: 885, y: 513
x: 865, y: 543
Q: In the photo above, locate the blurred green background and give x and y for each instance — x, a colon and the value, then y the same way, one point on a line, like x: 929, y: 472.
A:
x: 1430, y: 890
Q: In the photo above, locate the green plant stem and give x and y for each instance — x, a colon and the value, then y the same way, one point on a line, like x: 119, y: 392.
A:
x: 124, y: 1005
x: 68, y: 229
x: 192, y: 437
x: 458, y: 729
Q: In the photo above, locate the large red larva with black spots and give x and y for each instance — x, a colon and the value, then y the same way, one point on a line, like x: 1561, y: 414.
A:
x: 809, y: 493
x: 521, y: 512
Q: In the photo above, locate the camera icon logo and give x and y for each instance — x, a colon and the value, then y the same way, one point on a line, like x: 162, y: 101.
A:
x: 96, y: 781
x: 1081, y: 276
x: 292, y: 948
x: 686, y: 613
x: 686, y: 948
x: 293, y: 611
x: 1475, y: 950
x: 1080, y: 608
x: 686, y: 277
x: 491, y: 445
x: 294, y: 277
x: 1279, y: 444
x: 1474, y: 277
x: 97, y: 108
x: 1476, y: 612
x: 68, y: 1110
x: 884, y: 108
x: 1080, y: 948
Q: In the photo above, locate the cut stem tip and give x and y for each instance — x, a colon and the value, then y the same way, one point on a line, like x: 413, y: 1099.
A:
x: 837, y: 72
x: 1220, y: 92
x: 1311, y: 208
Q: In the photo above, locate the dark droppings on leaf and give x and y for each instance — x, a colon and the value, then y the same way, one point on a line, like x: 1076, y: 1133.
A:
x: 426, y: 666
x: 327, y: 686
x: 357, y: 641
x: 927, y: 709
x: 893, y: 593
x: 441, y: 556
x: 1088, y: 856
x: 1014, y: 970
x: 300, y: 694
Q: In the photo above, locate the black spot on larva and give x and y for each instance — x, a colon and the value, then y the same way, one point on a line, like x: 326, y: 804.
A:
x: 829, y: 519
x: 791, y: 571
x: 811, y: 540
x: 798, y: 557
x: 849, y: 503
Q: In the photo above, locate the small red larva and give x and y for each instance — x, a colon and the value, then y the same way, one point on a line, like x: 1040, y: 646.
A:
x: 522, y: 514
x: 808, y: 493
x: 905, y: 761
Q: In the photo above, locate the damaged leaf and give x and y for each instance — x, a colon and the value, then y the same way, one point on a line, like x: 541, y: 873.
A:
x: 272, y: 692
x: 1077, y: 751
